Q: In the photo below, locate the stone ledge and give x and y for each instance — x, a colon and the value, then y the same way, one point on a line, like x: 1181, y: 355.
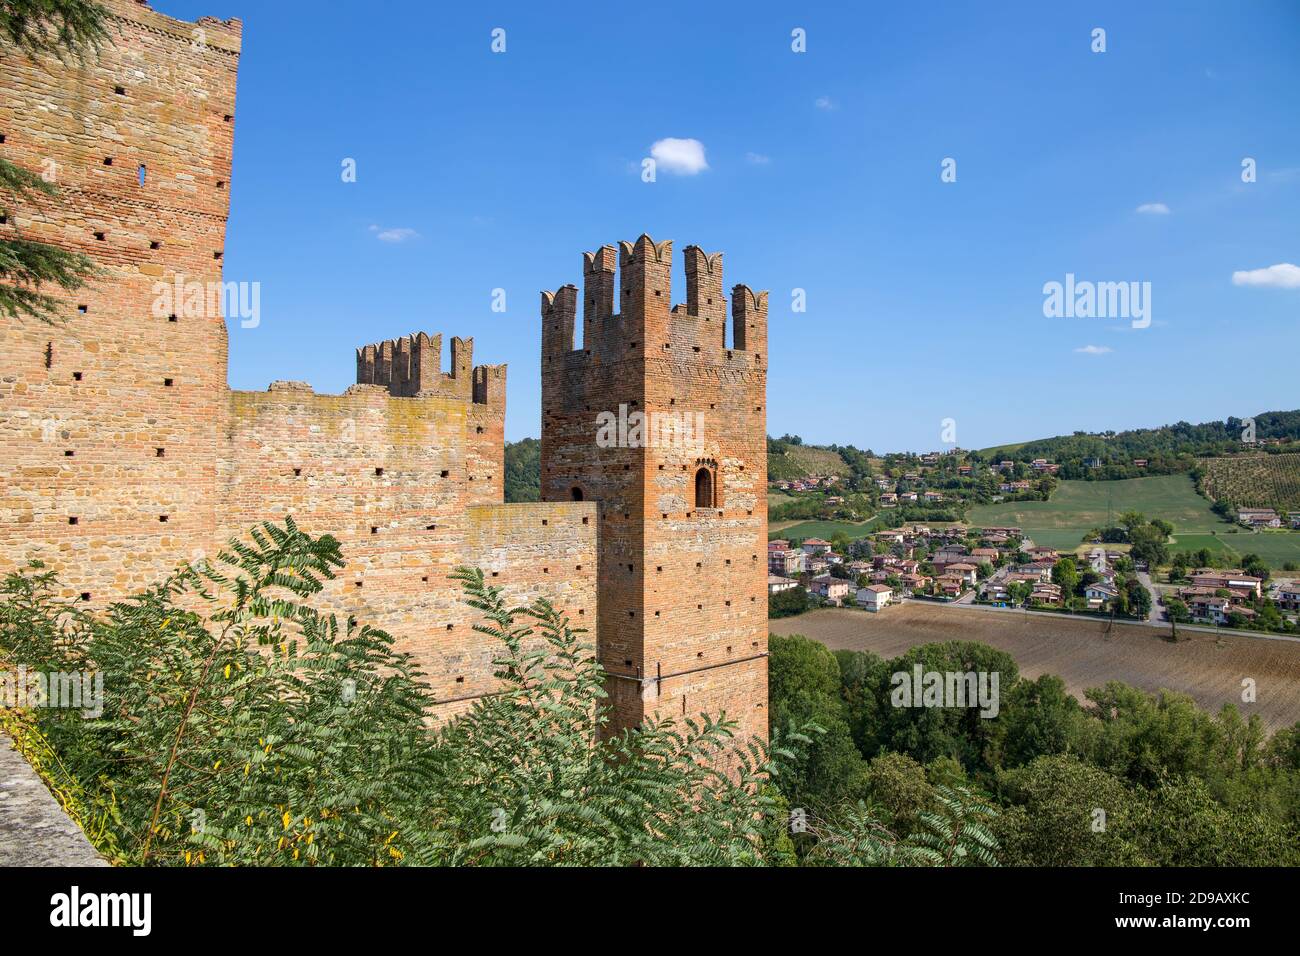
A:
x: 34, y: 830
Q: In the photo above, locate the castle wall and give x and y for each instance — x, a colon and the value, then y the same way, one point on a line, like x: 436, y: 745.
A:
x: 412, y: 490
x: 122, y: 451
x: 683, y: 588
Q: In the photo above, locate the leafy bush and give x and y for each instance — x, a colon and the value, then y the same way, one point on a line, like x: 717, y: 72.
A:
x: 241, y: 725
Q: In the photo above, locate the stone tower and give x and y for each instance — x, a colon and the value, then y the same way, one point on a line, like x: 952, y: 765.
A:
x: 661, y: 421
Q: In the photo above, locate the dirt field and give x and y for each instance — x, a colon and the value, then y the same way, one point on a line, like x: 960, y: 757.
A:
x: 1208, y: 668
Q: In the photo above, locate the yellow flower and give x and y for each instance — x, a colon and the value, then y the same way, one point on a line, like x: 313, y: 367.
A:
x: 227, y: 672
x: 287, y: 819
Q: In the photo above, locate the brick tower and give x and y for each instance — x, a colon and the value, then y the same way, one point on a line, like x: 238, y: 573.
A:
x: 663, y: 423
x: 112, y: 414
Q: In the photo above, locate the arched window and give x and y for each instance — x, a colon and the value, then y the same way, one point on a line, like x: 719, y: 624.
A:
x: 576, y: 493
x: 704, y: 488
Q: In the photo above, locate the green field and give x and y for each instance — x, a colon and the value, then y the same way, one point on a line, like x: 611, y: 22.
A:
x: 1275, y: 547
x: 1078, y: 506
x: 822, y: 529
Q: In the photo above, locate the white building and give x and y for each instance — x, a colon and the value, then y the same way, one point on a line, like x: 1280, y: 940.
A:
x: 874, y: 596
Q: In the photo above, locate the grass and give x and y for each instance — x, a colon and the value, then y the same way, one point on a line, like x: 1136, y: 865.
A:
x: 1078, y: 506
x: 821, y: 529
x: 1275, y: 547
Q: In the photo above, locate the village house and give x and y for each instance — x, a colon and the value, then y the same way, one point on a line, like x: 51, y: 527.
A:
x: 967, y: 572
x: 888, y: 500
x: 1230, y: 579
x: 1041, y: 569
x: 1045, y: 593
x: 1259, y: 517
x: 816, y: 546
x: 1286, y: 594
x: 1099, y: 595
x: 783, y: 559
x: 776, y: 584
x: 950, y: 585
x: 995, y: 592
x: 832, y: 589
x: 874, y: 597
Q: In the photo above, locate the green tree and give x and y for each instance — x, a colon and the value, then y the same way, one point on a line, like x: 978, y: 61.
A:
x: 803, y: 691
x: 523, y: 477
x: 1042, y: 718
x: 1062, y: 812
x: 789, y: 602
x: 1065, y: 574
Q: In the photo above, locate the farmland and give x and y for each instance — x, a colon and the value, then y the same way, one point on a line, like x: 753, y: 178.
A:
x: 800, y: 461
x: 1254, y: 481
x: 1277, y: 548
x: 1205, y: 666
x: 1077, y: 506
x: 822, y: 529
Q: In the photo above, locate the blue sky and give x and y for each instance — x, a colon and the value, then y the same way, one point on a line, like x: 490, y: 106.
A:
x: 924, y: 298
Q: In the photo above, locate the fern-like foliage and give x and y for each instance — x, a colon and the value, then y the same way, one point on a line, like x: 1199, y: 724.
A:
x: 243, y: 725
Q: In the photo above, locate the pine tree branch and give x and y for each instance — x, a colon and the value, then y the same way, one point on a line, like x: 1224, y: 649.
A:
x: 58, y: 27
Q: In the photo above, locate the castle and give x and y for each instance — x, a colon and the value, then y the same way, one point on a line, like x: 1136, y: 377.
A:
x: 123, y: 451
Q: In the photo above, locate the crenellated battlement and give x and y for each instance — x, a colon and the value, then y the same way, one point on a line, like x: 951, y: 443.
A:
x: 411, y: 367
x: 640, y: 321
x: 658, y: 415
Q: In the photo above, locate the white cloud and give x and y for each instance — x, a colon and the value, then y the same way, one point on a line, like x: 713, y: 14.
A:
x: 685, y: 157
x: 1153, y: 209
x: 825, y: 103
x: 396, y: 234
x: 1094, y: 350
x: 1284, y: 275
x: 757, y: 159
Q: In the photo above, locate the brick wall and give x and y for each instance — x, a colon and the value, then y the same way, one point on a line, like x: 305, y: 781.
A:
x: 112, y: 415
x: 683, y: 596
x: 122, y: 450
